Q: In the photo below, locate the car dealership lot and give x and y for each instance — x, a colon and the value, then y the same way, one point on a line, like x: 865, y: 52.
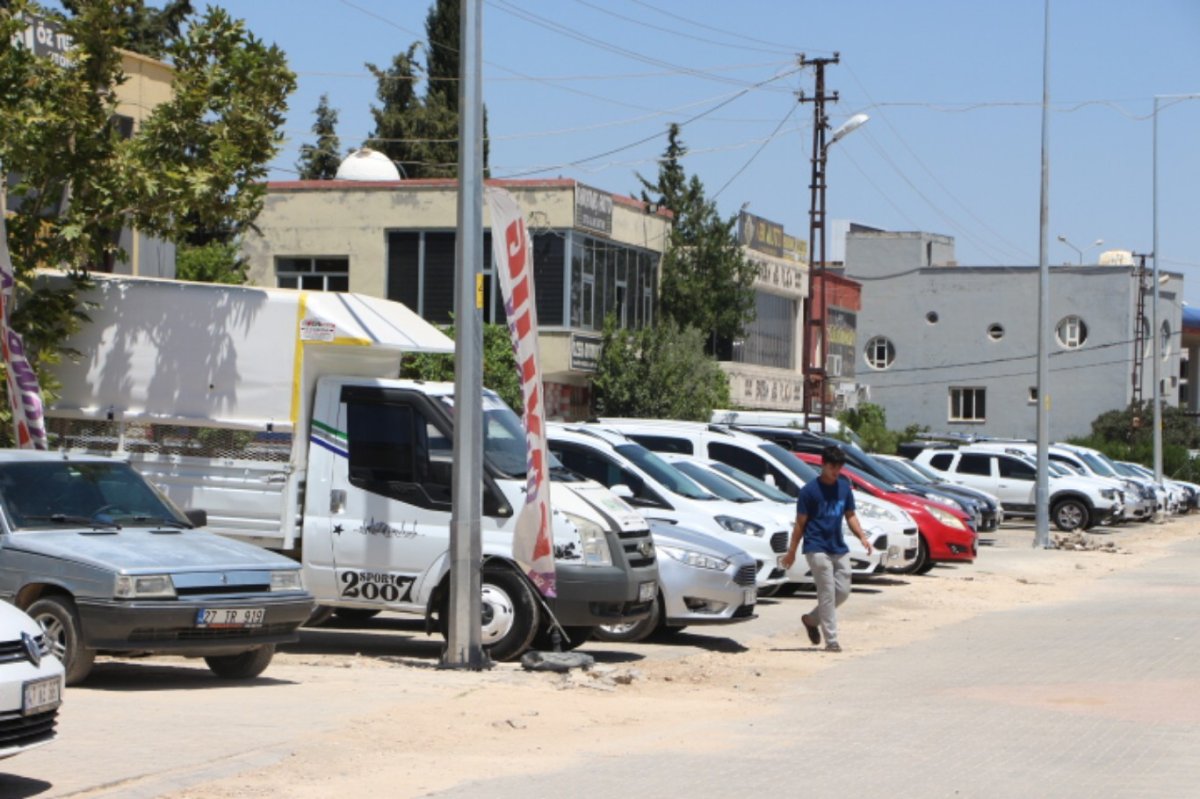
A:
x: 366, y: 709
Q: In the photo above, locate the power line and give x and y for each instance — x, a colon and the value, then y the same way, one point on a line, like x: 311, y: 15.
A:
x: 678, y: 33
x: 694, y: 23
x: 757, y: 152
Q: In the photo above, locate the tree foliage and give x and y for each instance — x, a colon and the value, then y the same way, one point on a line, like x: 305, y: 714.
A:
x: 869, y: 422
x: 420, y: 132
x: 659, y: 372
x: 706, y: 281
x: 320, y: 161
x: 215, y: 262
x: 196, y: 163
x: 144, y: 30
x: 499, y: 365
x: 1128, y: 435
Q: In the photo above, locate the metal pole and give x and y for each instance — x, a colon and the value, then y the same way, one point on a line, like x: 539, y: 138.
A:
x: 1155, y: 333
x: 463, y: 646
x: 1042, y: 493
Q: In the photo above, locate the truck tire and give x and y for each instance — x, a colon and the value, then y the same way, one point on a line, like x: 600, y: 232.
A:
x: 1069, y: 515
x: 242, y: 666
x: 510, y: 617
x: 60, y: 621
x: 633, y: 631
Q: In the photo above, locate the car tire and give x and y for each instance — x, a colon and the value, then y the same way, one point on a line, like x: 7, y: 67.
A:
x: 923, y: 563
x: 1070, y: 515
x: 634, y: 631
x: 60, y: 622
x: 509, y: 616
x: 242, y: 666
x: 355, y: 615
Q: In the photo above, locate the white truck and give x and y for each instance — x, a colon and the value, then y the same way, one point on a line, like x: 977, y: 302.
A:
x: 279, y: 413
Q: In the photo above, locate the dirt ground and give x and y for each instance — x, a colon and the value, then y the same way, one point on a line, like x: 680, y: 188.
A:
x: 445, y: 728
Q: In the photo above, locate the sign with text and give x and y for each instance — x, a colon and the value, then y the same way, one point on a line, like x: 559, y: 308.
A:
x: 593, y: 209
x: 585, y: 352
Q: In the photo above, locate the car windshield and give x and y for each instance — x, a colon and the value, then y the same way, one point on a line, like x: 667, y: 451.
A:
x: 715, y: 483
x: 668, y: 476
x: 1107, y: 461
x: 789, y: 461
x: 872, y: 480
x: 753, y: 483
x: 53, y: 494
x: 915, y: 471
x: 503, y: 436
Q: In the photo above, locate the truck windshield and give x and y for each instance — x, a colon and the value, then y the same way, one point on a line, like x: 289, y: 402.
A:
x: 503, y: 436
x: 54, y: 494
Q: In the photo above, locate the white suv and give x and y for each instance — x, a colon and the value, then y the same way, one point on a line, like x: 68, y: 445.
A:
x: 1075, y: 502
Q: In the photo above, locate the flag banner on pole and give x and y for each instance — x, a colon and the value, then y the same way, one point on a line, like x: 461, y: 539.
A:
x: 533, y: 540
x: 24, y: 394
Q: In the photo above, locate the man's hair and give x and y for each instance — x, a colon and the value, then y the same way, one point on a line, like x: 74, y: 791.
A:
x: 833, y: 454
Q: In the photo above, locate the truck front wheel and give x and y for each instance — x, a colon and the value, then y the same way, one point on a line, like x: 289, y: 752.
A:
x: 60, y: 623
x: 244, y: 665
x: 509, y: 616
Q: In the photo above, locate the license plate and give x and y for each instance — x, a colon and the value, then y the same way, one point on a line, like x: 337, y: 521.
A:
x: 646, y: 591
x: 41, y: 695
x: 749, y: 596
x: 230, y: 617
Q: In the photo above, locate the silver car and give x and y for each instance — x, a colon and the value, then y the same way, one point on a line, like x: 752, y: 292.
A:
x: 702, y: 580
x: 104, y: 564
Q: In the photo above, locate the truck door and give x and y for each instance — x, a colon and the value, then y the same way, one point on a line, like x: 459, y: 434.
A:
x: 395, y: 524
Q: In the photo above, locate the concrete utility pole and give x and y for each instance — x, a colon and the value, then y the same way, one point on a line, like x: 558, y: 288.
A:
x: 1042, y: 493
x: 464, y: 648
x: 814, y: 330
x: 1140, y: 326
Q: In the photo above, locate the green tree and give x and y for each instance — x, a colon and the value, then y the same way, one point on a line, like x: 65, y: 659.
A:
x: 148, y: 31
x: 198, y: 161
x: 499, y: 365
x: 320, y: 161
x: 1128, y: 435
x: 706, y: 281
x: 659, y: 372
x: 215, y: 262
x: 399, y: 119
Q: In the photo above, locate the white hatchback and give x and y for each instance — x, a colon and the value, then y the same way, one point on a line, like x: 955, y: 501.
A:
x: 31, y: 684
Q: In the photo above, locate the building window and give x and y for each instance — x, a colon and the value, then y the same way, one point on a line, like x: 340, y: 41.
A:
x: 1164, y: 346
x: 1033, y: 395
x: 608, y: 278
x: 1071, y: 332
x: 996, y: 332
x: 968, y: 404
x: 769, y: 337
x: 313, y: 274
x: 880, y: 352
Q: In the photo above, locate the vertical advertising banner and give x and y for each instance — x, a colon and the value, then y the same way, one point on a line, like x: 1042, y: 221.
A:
x: 512, y: 253
x: 24, y: 394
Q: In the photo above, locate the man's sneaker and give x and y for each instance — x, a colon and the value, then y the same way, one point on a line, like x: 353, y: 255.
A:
x: 814, y: 632
x: 833, y: 647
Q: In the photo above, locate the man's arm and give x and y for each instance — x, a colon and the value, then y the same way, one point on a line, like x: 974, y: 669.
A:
x: 794, y: 544
x: 856, y: 528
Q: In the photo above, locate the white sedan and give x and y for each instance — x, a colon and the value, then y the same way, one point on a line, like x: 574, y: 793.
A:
x: 31, y: 684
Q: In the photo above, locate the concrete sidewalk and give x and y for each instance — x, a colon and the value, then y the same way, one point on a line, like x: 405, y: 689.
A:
x: 1099, y: 696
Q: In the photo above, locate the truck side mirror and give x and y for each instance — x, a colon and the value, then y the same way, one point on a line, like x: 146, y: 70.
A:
x: 198, y: 518
x: 623, y: 491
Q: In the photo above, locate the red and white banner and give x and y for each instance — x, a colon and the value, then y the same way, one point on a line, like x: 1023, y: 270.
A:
x: 533, y: 542
x: 24, y: 394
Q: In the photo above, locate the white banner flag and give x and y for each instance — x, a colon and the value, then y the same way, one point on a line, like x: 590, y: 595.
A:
x: 512, y: 255
x: 24, y: 394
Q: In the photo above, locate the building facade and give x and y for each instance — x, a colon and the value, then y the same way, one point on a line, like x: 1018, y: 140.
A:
x: 595, y: 254
x: 955, y: 348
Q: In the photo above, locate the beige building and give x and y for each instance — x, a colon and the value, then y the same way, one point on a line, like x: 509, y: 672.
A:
x: 595, y: 254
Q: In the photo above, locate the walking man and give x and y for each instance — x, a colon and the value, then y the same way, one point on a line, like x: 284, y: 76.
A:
x: 820, y: 509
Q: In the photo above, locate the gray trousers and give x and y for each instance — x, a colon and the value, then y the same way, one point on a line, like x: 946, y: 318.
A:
x: 831, y: 573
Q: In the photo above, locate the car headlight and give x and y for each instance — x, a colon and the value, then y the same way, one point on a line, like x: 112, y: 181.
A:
x: 948, y: 519
x: 873, y: 511
x: 592, y: 540
x: 1108, y: 493
x: 691, y: 557
x: 736, y: 525
x: 289, y: 580
x: 144, y: 586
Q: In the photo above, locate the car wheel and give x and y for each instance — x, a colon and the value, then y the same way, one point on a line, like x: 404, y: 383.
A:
x: 60, y: 623
x: 1069, y: 515
x: 242, y: 666
x: 923, y: 563
x: 355, y: 615
x: 633, y: 631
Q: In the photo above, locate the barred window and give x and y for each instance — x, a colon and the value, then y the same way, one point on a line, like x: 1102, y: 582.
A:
x: 313, y: 274
x: 880, y: 352
x: 968, y: 405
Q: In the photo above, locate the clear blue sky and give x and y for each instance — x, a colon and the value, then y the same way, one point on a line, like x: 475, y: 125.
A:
x: 953, y: 88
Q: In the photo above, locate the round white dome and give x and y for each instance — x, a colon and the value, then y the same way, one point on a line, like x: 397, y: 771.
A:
x: 367, y: 164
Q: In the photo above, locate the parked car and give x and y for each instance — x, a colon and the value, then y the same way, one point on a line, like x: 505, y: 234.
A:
x: 702, y: 579
x: 1075, y: 502
x: 105, y: 564
x: 1183, y: 493
x: 991, y: 510
x: 945, y: 534
x: 31, y: 684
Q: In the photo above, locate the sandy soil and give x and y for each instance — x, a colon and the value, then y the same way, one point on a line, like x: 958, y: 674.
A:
x: 450, y: 727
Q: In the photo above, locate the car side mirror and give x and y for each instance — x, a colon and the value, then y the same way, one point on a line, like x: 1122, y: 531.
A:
x: 198, y: 518
x: 623, y: 491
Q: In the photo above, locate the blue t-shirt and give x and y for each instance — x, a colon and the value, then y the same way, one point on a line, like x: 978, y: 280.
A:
x: 825, y: 506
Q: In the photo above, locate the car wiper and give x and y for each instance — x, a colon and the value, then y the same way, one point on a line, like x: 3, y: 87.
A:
x: 162, y: 520
x: 63, y: 518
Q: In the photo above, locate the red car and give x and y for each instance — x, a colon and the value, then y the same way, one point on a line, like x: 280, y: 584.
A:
x: 945, y: 533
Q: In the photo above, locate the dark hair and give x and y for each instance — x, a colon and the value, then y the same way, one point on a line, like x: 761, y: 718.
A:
x: 833, y: 454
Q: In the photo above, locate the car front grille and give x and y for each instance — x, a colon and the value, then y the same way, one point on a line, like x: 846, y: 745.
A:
x: 17, y: 730
x: 779, y: 541
x: 150, y: 635
x: 632, y: 542
x: 15, y: 652
x: 745, y: 575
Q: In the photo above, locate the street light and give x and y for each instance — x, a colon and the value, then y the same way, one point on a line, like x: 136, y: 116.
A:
x: 1079, y: 252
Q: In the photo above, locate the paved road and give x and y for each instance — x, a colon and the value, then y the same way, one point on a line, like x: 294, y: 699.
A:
x: 1098, y: 696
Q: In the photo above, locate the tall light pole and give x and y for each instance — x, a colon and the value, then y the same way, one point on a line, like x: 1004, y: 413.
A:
x: 1155, y: 333
x: 1042, y: 493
